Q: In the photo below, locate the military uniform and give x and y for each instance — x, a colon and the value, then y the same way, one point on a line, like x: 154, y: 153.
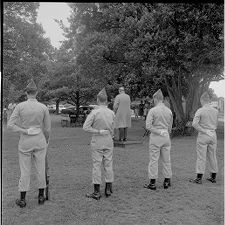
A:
x: 205, y: 122
x: 159, y: 121
x: 33, y: 117
x: 101, y: 119
x: 123, y: 114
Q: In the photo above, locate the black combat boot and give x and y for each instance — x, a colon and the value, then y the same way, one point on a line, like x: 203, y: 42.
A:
x: 96, y: 194
x: 166, y: 183
x: 212, y: 178
x: 21, y: 202
x: 108, y: 189
x: 198, y: 179
x: 41, y: 198
x: 151, y: 185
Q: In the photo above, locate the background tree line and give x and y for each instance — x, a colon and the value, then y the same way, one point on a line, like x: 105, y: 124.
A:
x: 143, y: 46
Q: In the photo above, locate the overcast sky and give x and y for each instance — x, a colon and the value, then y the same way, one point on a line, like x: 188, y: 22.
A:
x: 48, y: 11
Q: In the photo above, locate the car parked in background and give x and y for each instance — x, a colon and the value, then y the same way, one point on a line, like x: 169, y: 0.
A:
x: 51, y: 108
x: 61, y: 107
x: 84, y: 109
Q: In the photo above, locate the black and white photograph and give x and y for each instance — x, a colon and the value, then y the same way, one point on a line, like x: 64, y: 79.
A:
x: 112, y: 113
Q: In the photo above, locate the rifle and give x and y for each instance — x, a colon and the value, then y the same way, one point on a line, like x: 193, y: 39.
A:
x: 46, y: 177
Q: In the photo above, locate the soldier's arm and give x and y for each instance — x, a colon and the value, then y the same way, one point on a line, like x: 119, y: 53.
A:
x: 196, y: 121
x: 87, y: 126
x: 13, y: 122
x: 112, y: 128
x: 171, y: 123
x: 149, y: 123
x: 47, y: 125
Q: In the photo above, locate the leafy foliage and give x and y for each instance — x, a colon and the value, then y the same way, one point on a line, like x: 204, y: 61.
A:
x: 25, y: 50
x: 145, y: 46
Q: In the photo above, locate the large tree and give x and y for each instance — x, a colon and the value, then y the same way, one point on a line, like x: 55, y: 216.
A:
x: 178, y: 47
x: 25, y: 50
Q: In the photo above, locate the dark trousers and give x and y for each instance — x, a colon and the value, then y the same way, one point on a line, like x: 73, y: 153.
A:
x: 123, y: 133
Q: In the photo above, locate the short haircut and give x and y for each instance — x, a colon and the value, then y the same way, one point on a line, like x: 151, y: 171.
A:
x: 31, y: 92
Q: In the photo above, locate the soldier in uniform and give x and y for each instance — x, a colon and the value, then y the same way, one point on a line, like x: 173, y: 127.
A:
x: 159, y: 122
x: 31, y: 119
x: 122, y: 110
x: 100, y: 123
x: 205, y: 122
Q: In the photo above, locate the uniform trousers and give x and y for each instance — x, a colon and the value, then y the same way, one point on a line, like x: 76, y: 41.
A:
x: 102, y: 157
x: 206, y: 148
x: 25, y: 160
x: 159, y: 146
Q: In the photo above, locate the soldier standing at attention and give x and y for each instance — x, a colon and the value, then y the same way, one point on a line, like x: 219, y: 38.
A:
x: 205, y: 122
x: 100, y: 123
x: 159, y: 122
x: 31, y: 119
x: 123, y: 113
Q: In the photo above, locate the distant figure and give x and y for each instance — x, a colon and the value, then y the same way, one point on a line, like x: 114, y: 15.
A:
x: 123, y: 113
x: 110, y: 105
x: 205, y: 122
x: 136, y: 109
x: 141, y: 109
x: 32, y: 120
x: 100, y: 123
x: 146, y: 109
x: 159, y: 123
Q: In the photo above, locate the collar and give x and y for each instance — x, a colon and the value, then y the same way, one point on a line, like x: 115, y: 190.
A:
x: 32, y: 99
x: 160, y: 103
x: 103, y: 106
x: 206, y: 105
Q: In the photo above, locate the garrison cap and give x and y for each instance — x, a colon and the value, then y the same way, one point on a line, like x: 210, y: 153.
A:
x: 205, y: 97
x: 158, y: 95
x: 102, y: 95
x: 31, y: 86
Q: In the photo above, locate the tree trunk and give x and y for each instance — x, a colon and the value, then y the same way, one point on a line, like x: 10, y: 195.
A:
x: 77, y: 105
x: 57, y: 106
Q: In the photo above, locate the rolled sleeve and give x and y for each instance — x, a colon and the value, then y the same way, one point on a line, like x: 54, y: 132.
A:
x: 196, y: 121
x: 149, y: 123
x: 14, y: 120
x: 47, y: 121
x: 87, y: 126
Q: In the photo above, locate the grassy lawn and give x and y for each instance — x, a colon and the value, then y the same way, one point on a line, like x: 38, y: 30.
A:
x: 70, y: 179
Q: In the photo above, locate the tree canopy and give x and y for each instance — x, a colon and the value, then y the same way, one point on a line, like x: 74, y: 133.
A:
x: 142, y: 46
x: 25, y: 50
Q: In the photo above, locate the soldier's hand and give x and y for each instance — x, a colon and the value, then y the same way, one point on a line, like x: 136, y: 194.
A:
x: 104, y: 132
x: 25, y: 131
x: 210, y: 133
x: 163, y: 133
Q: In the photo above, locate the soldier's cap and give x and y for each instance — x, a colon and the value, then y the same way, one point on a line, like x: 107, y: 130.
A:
x: 121, y: 89
x: 31, y: 86
x: 205, y: 97
x: 158, y: 95
x: 102, y: 96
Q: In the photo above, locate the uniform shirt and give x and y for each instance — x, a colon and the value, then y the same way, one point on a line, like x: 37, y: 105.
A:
x: 159, y: 118
x: 206, y: 118
x: 30, y: 113
x: 101, y: 118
